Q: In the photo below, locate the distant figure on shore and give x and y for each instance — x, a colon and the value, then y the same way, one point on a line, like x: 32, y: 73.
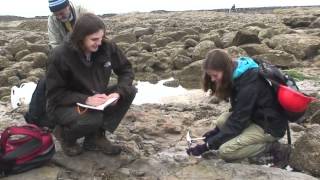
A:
x: 233, y: 8
x: 62, y: 20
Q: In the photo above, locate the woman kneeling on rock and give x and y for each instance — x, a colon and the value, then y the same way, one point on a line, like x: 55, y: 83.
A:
x: 254, y: 124
x: 79, y: 72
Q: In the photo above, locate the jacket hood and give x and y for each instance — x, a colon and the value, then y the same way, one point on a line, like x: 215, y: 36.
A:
x: 243, y: 65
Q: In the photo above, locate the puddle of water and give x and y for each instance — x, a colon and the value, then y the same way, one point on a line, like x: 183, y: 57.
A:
x: 153, y: 93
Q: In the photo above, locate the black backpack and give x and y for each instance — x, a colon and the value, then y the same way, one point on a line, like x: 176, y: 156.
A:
x: 37, y: 108
x: 274, y: 77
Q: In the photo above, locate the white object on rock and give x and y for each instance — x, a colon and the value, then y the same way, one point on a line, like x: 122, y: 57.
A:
x: 22, y: 95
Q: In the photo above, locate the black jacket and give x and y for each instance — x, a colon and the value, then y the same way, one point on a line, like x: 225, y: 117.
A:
x: 252, y: 101
x: 71, y: 78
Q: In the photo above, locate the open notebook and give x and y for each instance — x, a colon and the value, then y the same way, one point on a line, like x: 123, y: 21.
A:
x: 100, y: 107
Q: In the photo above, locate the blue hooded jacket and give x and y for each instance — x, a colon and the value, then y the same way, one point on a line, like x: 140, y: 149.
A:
x: 244, y: 64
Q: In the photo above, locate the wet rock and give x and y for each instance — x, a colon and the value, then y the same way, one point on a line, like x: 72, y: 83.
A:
x: 5, y: 91
x: 190, y: 75
x: 46, y: 172
x: 143, y: 46
x: 22, y: 68
x: 213, y: 169
x: 194, y: 37
x: 300, y: 45
x: 17, y: 45
x: 4, y: 62
x: 181, y: 61
x: 236, y: 52
x: 190, y: 43
x: 33, y: 38
x: 296, y: 127
x: 21, y: 54
x: 305, y: 155
x: 44, y: 48
x: 163, y: 41
x: 255, y: 49
x: 39, y: 60
x: 125, y: 37
x: 315, y: 23
x: 139, y: 31
x: 177, y: 36
x: 38, y: 72
x: 278, y: 58
x: 14, y: 80
x: 245, y: 37
x: 227, y: 39
x: 215, y: 37
x: 299, y: 20
x: 173, y: 83
x: 201, y: 50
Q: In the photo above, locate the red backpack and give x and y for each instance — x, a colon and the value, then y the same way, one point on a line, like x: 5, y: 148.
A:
x: 23, y: 148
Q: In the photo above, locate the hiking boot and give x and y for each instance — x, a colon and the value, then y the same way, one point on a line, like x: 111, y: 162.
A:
x: 99, y: 142
x: 280, y: 153
x: 71, y: 148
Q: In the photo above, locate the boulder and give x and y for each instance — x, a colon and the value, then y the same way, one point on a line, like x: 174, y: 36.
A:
x: 177, y: 36
x: 194, y: 37
x: 278, y: 58
x: 140, y: 31
x: 17, y: 45
x: 163, y: 41
x: 125, y: 37
x: 143, y: 46
x: 270, y: 32
x: 46, y: 172
x: 227, y: 39
x: 181, y: 61
x: 21, y: 54
x: 305, y: 155
x: 299, y: 20
x: 39, y: 59
x: 255, y: 49
x: 33, y: 38
x: 236, y: 52
x: 4, y: 63
x: 201, y: 50
x: 190, y: 43
x: 190, y: 76
x: 213, y: 36
x: 315, y: 23
x: 14, y: 80
x: 5, y: 91
x: 22, y: 68
x: 301, y: 45
x: 44, y: 48
x: 191, y: 31
x: 38, y: 72
x: 172, y: 83
x: 245, y: 37
x: 213, y: 169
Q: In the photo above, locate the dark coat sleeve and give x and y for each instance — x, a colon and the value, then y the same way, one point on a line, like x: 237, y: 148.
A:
x: 243, y: 106
x: 57, y: 91
x: 123, y: 69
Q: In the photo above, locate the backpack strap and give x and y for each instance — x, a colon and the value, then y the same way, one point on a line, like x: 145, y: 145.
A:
x: 28, y: 130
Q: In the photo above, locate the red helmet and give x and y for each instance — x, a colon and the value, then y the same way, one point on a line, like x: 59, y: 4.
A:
x: 292, y: 100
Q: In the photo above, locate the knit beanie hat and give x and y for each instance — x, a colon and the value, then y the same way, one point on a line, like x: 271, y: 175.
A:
x: 57, y: 5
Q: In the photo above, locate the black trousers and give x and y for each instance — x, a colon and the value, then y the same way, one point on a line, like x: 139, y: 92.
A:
x: 75, y: 125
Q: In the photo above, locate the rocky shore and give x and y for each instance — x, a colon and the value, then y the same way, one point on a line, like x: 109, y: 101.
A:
x: 173, y: 44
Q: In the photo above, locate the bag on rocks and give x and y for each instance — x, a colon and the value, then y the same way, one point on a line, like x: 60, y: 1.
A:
x: 23, y: 148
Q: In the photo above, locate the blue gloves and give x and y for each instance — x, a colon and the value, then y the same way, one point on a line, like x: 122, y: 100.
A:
x: 197, y: 150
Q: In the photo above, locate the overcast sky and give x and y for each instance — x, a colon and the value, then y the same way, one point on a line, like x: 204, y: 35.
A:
x: 30, y: 8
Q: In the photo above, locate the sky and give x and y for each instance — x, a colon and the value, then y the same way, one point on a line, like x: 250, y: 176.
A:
x: 31, y: 8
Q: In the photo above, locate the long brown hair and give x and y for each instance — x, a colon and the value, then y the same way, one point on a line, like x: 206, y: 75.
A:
x: 87, y: 24
x: 218, y: 60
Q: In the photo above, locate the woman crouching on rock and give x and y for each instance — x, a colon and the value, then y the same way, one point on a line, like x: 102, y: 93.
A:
x: 254, y: 124
x: 79, y: 72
